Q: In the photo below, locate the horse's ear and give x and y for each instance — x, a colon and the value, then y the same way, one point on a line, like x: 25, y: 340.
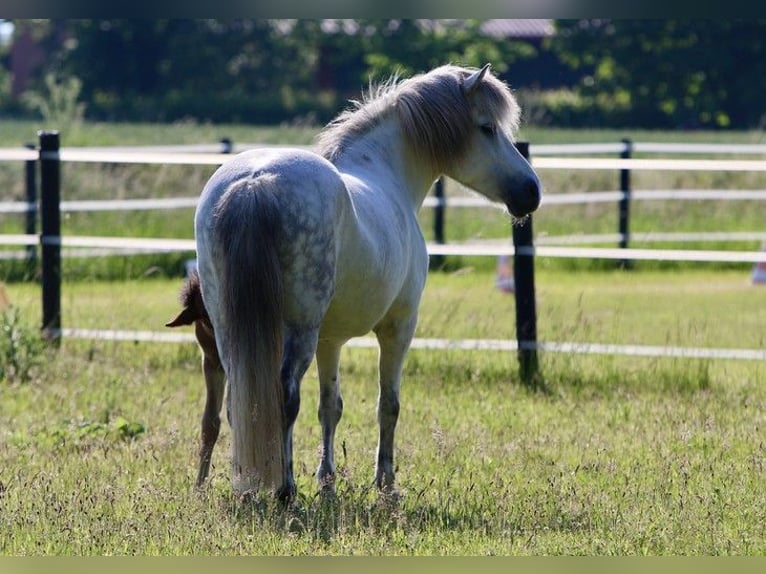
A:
x: 472, y: 82
x: 185, y: 317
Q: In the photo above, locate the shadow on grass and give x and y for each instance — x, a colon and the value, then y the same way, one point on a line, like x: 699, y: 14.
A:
x: 320, y: 516
x: 607, y: 376
x: 561, y: 375
x: 401, y: 520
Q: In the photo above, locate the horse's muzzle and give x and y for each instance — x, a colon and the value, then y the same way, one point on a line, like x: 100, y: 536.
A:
x: 524, y: 197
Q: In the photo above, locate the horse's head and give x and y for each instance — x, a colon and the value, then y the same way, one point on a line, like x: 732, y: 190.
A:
x: 491, y: 164
x: 195, y: 313
x: 456, y: 121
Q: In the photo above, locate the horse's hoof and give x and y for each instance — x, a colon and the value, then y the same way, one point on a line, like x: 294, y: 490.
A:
x: 327, y: 493
x: 389, y: 496
x: 326, y: 484
x: 287, y: 493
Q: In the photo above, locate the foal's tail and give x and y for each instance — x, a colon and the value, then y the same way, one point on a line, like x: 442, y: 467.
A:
x: 251, y: 302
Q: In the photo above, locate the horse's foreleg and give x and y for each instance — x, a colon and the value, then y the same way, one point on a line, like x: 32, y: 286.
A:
x: 329, y: 412
x: 394, y: 339
x: 211, y: 417
x: 299, y: 349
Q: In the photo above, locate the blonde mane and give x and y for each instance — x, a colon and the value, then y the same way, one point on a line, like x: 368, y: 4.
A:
x: 432, y: 110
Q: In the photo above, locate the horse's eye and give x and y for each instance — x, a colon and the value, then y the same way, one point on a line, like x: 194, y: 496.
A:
x: 488, y: 130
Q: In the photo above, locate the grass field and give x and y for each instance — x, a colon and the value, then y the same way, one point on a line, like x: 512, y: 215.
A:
x: 613, y: 455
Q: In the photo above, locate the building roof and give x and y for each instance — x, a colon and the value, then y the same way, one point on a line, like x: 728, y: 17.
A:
x: 527, y: 28
x: 497, y: 28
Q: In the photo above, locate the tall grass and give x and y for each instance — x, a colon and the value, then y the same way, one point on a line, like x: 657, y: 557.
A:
x: 615, y: 456
x: 21, y: 348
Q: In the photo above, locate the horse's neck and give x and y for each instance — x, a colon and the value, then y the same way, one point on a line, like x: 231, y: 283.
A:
x: 381, y: 158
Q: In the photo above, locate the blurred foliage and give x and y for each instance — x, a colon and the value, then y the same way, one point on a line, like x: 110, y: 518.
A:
x: 58, y: 102
x: 618, y: 73
x: 259, y: 71
x: 670, y: 73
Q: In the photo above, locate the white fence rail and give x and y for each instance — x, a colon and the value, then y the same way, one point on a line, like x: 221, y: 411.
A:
x: 503, y: 345
x: 543, y: 157
x: 152, y: 245
x: 430, y: 201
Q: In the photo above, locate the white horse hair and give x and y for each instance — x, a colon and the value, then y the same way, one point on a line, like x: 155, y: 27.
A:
x: 298, y: 252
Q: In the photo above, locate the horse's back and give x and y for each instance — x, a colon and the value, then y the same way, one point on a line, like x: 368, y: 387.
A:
x: 291, y: 170
x: 306, y: 198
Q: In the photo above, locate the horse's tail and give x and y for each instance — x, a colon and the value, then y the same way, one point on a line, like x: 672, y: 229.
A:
x: 251, y: 303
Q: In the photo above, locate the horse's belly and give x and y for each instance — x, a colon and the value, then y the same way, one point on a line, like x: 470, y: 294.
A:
x: 349, y: 317
x: 361, y: 304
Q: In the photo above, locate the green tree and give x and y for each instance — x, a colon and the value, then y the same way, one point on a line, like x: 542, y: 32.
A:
x: 410, y: 46
x: 354, y: 53
x: 670, y: 73
x: 252, y: 69
x: 205, y: 68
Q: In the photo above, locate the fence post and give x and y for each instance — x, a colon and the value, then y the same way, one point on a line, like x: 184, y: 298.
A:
x: 624, y: 204
x: 30, y: 173
x: 526, y: 307
x: 437, y: 261
x: 50, y: 194
x: 227, y: 146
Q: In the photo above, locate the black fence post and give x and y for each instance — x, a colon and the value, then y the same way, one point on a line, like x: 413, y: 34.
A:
x: 624, y: 204
x: 30, y: 173
x: 437, y: 261
x: 526, y: 306
x: 50, y: 195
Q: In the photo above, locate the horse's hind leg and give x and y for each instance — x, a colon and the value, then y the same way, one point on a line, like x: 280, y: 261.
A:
x: 330, y: 411
x: 394, y: 338
x: 211, y: 416
x: 299, y: 349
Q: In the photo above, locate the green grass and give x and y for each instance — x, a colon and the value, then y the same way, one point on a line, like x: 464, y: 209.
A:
x: 613, y: 455
x: 20, y: 132
x: 616, y: 455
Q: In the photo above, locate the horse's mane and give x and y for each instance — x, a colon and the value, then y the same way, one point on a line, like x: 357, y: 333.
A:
x: 432, y: 110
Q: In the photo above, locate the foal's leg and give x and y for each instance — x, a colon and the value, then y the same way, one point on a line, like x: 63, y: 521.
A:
x: 330, y: 411
x: 299, y: 349
x: 211, y: 416
x: 394, y: 338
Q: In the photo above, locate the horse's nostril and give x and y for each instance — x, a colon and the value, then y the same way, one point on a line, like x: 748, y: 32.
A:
x: 524, y: 196
x: 532, y: 195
